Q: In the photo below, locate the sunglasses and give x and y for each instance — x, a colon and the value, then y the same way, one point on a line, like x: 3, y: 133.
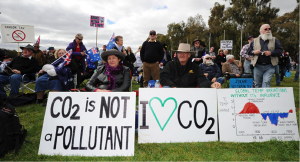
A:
x: 268, y: 28
x: 208, y: 58
x: 79, y: 39
x: 152, y: 34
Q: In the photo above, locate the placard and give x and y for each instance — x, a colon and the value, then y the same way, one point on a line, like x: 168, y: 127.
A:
x: 12, y: 33
x: 241, y: 83
x: 89, y: 124
x: 177, y: 115
x: 257, y: 114
x: 226, y: 44
x: 97, y: 21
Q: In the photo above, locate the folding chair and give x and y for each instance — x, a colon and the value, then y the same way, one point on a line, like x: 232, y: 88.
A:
x: 25, y: 82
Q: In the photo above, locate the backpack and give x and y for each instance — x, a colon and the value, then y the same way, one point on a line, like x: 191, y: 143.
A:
x: 12, y: 133
x: 21, y: 99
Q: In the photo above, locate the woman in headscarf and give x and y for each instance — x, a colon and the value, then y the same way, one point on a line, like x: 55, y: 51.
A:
x: 111, y: 77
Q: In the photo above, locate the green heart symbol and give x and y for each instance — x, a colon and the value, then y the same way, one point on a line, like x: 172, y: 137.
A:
x: 163, y: 104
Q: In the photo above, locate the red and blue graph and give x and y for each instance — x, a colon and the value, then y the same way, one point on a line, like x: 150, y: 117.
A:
x: 251, y: 108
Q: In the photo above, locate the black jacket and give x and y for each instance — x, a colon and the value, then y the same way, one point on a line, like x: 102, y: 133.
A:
x: 188, y: 76
x: 220, y: 59
x: 283, y: 59
x: 100, y: 80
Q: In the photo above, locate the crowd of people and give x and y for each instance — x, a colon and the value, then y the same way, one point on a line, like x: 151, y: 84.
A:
x: 190, y: 67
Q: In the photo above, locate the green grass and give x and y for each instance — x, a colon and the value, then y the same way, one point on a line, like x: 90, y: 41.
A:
x: 31, y: 116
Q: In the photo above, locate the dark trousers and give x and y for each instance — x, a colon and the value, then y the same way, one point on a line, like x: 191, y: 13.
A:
x: 282, y: 69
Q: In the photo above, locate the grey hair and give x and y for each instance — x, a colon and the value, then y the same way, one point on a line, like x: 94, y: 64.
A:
x: 79, y: 35
x: 228, y: 57
x: 261, y: 29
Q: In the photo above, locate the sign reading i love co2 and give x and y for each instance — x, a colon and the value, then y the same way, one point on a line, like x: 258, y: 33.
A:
x: 177, y: 115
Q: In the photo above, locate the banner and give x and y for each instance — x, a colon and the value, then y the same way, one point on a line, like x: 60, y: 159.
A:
x: 98, y: 124
x: 226, y: 44
x: 177, y: 115
x: 256, y: 115
x: 12, y: 33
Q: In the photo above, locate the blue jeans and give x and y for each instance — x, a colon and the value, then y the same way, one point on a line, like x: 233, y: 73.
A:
x: 282, y: 70
x: 247, y: 66
x: 263, y: 75
x: 14, y: 81
x: 277, y: 77
x: 297, y: 73
x: 220, y: 80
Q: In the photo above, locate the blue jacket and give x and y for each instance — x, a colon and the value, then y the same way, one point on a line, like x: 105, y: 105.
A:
x: 212, y: 70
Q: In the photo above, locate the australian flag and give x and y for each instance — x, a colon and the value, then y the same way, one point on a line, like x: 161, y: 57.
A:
x: 64, y: 73
x: 111, y: 42
x: 38, y: 41
x: 92, y: 56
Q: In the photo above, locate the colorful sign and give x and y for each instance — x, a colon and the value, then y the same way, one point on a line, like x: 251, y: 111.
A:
x: 177, y: 115
x: 12, y: 33
x: 97, y: 21
x: 98, y: 124
x: 257, y: 115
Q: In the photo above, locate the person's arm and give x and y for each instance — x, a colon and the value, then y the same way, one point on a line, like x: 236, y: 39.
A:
x: 164, y: 77
x: 202, y: 82
x: 132, y: 57
x: 126, y: 82
x: 93, y: 81
x: 142, y: 53
x: 218, y: 71
x: 70, y: 46
x: 243, y: 52
x: 278, y: 49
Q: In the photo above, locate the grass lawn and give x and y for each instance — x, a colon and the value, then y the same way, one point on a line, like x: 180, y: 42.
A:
x: 32, y: 117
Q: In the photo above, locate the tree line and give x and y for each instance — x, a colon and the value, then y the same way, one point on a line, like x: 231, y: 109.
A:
x: 243, y: 17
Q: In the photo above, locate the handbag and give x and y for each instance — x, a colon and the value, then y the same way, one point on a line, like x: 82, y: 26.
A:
x: 287, y: 74
x: 20, y: 99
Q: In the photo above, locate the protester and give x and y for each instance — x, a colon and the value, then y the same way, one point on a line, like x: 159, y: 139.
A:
x: 212, y: 53
x: 6, y: 61
x: 20, y: 65
x: 225, y: 52
x: 132, y: 58
x: 100, y: 62
x: 183, y: 73
x: 220, y: 59
x: 283, y: 58
x: 265, y: 50
x: 288, y: 62
x: 166, y: 58
x: 233, y: 67
x: 78, y: 55
x: 111, y: 77
x: 211, y: 70
x: 54, y: 83
x: 197, y: 58
x: 50, y: 54
x: 119, y: 46
x: 38, y: 54
x: 151, y: 55
x: 245, y: 55
x: 138, y: 63
x: 297, y: 67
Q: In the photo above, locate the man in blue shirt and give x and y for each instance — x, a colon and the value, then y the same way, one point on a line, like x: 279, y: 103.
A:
x: 265, y: 50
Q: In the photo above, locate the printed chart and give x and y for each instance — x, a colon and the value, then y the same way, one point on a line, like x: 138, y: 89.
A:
x: 248, y: 115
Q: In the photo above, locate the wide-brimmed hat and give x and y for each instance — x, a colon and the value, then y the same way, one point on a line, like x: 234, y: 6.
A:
x: 36, y: 45
x: 115, y: 52
x: 28, y: 47
x: 196, y: 41
x: 183, y: 47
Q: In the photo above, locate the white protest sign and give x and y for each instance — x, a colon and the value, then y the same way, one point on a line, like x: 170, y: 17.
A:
x: 226, y: 44
x: 257, y: 114
x: 89, y: 124
x: 177, y: 115
x: 12, y: 33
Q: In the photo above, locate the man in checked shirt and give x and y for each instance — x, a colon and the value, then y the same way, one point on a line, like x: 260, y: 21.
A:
x: 247, y: 58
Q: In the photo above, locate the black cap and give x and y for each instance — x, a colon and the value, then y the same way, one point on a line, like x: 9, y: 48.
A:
x: 250, y: 36
x: 152, y: 32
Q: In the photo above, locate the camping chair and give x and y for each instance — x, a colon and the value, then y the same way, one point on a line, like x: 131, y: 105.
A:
x: 27, y: 79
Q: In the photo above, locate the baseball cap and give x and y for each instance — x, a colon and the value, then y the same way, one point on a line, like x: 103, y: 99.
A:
x: 250, y: 36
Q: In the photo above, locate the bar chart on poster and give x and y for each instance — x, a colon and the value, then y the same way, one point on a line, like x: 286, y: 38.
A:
x: 248, y: 115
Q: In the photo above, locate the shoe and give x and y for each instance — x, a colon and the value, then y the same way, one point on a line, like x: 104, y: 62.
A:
x: 38, y: 101
x: 44, y: 104
x: 294, y: 80
x: 278, y: 84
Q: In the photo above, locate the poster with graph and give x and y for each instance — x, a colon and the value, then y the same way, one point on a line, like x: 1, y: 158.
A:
x: 257, y: 114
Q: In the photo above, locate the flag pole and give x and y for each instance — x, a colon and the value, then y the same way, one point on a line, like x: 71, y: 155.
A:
x: 60, y: 57
x: 96, y: 35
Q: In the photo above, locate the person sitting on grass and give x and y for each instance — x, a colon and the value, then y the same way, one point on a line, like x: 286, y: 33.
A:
x: 50, y: 81
x: 111, y: 77
x: 211, y: 70
x: 183, y: 73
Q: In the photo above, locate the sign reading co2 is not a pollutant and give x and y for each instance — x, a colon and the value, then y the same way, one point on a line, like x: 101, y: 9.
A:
x: 98, y: 124
x: 177, y: 115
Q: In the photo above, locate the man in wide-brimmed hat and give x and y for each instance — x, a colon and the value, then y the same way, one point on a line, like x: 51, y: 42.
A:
x: 39, y: 55
x: 183, y: 73
x: 24, y: 64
